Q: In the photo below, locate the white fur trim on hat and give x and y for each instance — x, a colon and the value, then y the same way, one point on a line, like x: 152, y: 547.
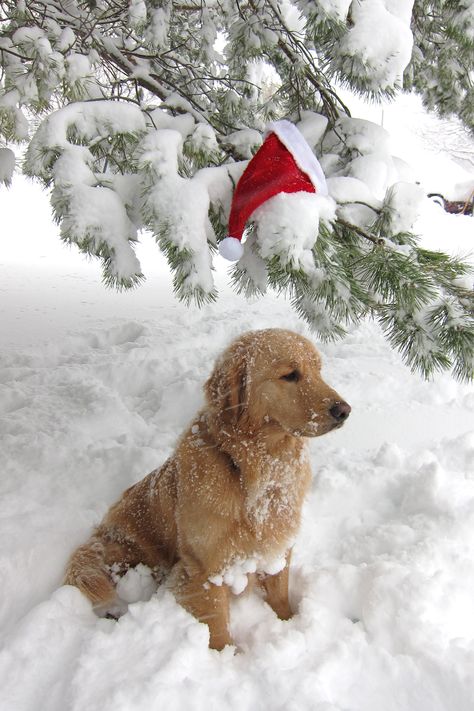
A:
x: 231, y: 248
x: 295, y: 142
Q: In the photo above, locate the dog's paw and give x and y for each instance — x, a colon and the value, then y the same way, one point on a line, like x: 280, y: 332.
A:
x: 111, y: 610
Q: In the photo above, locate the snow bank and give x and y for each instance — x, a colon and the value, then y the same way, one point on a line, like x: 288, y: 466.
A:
x: 383, y: 569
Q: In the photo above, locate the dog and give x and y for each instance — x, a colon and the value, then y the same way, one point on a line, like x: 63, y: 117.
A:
x: 227, y: 503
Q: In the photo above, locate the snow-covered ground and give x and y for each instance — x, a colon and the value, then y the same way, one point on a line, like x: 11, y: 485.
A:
x: 96, y: 386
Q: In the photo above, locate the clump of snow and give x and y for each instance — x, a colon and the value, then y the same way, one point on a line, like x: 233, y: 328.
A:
x: 92, y: 119
x: 177, y: 204
x: 280, y: 233
x: 312, y: 126
x: 183, y: 123
x: 375, y: 171
x: 379, y: 41
x: 462, y: 191
x: 159, y: 152
x: 348, y: 189
x: 94, y: 212
x: 236, y: 574
x: 404, y: 171
x: 330, y: 163
x: 364, y: 176
x: 204, y: 138
x: 355, y: 201
x: 98, y: 213
x: 220, y: 181
x: 78, y: 67
x: 137, y: 584
x: 336, y: 9
x: 89, y: 120
x: 73, y: 167
x: 157, y: 28
x: 245, y: 141
x: 404, y: 201
x: 8, y: 105
x: 65, y: 39
x: 463, y: 18
x: 7, y: 165
x: 137, y: 13
x: 32, y: 39
x: 363, y: 136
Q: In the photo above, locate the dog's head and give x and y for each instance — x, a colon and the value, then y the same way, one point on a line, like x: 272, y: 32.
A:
x: 272, y: 379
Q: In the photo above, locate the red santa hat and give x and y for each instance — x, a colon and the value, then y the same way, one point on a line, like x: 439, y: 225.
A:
x: 283, y: 164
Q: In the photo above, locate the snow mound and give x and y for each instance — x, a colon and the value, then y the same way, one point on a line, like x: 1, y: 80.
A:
x: 382, y: 574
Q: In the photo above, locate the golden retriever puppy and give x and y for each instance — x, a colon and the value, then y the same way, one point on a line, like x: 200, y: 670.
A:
x: 228, y: 501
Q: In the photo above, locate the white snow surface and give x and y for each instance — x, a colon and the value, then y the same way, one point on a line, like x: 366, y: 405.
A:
x: 95, y: 388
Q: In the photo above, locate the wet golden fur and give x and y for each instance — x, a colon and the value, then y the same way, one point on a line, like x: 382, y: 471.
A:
x: 233, y: 489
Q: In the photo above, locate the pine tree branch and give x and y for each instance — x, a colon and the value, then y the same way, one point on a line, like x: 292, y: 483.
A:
x: 328, y: 95
x: 362, y: 233
x: 15, y: 54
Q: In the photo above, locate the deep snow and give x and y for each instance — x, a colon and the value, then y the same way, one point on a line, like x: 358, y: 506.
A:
x: 96, y: 386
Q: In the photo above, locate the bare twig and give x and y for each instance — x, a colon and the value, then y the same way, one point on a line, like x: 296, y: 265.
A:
x: 362, y: 233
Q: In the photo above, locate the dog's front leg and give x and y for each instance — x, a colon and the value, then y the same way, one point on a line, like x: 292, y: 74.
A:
x: 276, y: 588
x: 207, y: 602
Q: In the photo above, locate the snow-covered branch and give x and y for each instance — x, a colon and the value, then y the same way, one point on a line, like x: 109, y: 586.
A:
x: 143, y: 115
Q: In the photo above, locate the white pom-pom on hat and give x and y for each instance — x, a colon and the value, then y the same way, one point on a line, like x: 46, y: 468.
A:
x: 231, y: 248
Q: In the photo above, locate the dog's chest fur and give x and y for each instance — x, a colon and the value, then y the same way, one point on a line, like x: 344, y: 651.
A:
x: 273, y: 498
x: 252, y: 500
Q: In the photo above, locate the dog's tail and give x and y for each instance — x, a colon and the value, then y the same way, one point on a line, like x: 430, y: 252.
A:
x: 88, y: 572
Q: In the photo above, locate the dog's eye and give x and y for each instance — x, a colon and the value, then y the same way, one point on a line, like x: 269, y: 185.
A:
x: 292, y: 377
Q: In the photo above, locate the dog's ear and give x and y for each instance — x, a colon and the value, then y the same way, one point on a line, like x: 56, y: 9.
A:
x: 226, y: 388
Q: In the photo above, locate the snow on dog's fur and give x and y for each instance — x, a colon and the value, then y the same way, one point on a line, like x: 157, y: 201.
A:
x: 228, y: 501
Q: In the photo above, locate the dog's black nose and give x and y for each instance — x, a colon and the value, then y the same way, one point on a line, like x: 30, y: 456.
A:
x: 340, y: 411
